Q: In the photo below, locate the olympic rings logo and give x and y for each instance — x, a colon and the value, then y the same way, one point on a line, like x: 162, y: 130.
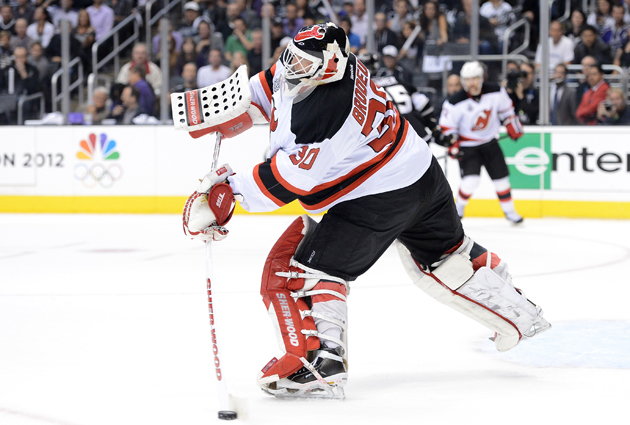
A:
x: 98, y: 175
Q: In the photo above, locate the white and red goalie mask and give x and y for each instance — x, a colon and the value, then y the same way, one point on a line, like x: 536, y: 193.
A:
x: 318, y: 54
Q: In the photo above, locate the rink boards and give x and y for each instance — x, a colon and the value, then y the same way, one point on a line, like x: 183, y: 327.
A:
x: 554, y: 172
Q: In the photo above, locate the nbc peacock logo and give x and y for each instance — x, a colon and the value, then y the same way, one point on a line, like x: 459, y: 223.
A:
x: 90, y: 171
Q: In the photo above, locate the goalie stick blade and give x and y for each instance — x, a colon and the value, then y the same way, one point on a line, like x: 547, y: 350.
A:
x: 227, y: 415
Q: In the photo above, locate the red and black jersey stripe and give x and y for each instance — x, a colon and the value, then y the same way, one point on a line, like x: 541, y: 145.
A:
x: 320, y: 198
x: 271, y: 183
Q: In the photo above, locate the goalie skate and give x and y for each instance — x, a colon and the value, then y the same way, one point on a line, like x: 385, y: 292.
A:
x: 323, y: 378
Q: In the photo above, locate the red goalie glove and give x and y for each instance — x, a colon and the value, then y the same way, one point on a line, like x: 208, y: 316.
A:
x: 210, y: 207
x: 514, y: 127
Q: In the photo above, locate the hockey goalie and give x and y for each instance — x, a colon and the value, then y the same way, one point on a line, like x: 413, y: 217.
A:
x: 337, y: 144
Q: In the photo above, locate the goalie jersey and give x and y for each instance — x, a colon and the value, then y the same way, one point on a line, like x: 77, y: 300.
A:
x: 476, y: 120
x: 343, y: 141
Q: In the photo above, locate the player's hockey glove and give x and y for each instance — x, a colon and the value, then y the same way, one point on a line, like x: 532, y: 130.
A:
x: 454, y: 152
x: 514, y: 127
x: 442, y: 139
x: 210, y: 207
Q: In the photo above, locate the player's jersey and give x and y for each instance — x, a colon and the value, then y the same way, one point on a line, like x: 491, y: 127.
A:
x: 413, y: 106
x: 476, y: 121
x: 342, y: 142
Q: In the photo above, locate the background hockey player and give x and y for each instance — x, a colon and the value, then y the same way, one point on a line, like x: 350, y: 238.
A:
x: 471, y: 118
x: 415, y: 107
x: 338, y: 145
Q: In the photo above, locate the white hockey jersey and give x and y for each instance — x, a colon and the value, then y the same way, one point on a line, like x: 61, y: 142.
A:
x: 343, y: 141
x: 476, y: 121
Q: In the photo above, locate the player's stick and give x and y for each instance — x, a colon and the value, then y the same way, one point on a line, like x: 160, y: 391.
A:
x: 224, y: 396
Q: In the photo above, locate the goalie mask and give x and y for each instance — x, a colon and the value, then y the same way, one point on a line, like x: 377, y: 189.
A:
x: 318, y: 54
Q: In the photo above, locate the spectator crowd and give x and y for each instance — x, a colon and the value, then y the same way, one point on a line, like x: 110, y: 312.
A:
x: 209, y: 39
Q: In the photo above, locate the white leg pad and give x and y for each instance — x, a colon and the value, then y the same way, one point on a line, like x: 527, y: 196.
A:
x: 484, y: 297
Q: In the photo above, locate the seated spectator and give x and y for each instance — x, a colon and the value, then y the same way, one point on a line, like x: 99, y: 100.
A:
x: 291, y: 22
x: 360, y: 21
x: 19, y: 78
x: 500, y: 14
x: 187, y: 55
x: 488, y: 42
x: 172, y: 55
x: 620, y: 29
x: 383, y: 35
x: 215, y: 12
x: 6, y: 52
x: 410, y: 58
x: 561, y: 49
x: 513, y: 83
x: 85, y: 33
x: 602, y: 20
x: 614, y: 111
x: 53, y: 50
x: 122, y: 9
x: 277, y: 33
x: 304, y: 11
x: 155, y: 42
x: 207, y: 39
x: 254, y: 55
x: 214, y: 72
x: 186, y: 81
x: 7, y: 20
x: 355, y: 41
x: 529, y: 104
x: 130, y: 107
x: 139, y: 56
x: 240, y: 40
x: 583, y: 85
x: 102, y: 18
x: 453, y: 84
x: 100, y: 107
x: 575, y: 25
x: 192, y: 18
x: 238, y: 59
x: 592, y: 45
x: 146, y: 99
x: 24, y: 10
x: 20, y: 38
x: 397, y: 18
x: 433, y: 24
x: 391, y: 68
x: 251, y: 16
x: 63, y: 11
x: 562, y: 98
x: 587, y: 109
x: 276, y: 54
x: 41, y: 30
x: 45, y: 69
x: 622, y: 56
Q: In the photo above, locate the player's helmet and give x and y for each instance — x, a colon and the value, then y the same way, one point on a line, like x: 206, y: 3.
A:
x: 318, y: 54
x: 370, y: 61
x: 471, y: 70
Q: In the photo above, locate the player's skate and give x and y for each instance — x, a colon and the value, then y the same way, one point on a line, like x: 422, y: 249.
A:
x: 323, y: 378
x: 514, y: 218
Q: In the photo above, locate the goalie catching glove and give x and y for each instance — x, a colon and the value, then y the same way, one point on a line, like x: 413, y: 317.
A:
x: 210, y: 207
x: 514, y: 127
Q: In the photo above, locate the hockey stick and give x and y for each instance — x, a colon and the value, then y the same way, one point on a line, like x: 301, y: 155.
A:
x: 224, y: 396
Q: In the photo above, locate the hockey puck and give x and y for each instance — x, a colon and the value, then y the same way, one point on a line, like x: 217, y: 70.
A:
x: 227, y: 415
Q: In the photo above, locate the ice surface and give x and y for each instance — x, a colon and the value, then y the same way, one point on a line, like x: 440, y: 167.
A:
x: 103, y: 320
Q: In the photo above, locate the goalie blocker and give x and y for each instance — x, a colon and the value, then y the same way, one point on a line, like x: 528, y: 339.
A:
x: 225, y: 107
